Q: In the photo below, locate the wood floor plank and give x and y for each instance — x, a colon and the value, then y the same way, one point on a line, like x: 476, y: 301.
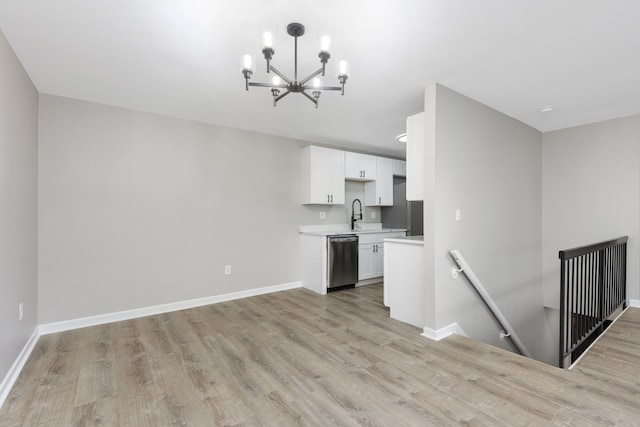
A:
x: 298, y: 358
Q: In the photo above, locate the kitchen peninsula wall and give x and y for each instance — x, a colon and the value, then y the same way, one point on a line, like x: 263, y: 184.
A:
x: 488, y: 166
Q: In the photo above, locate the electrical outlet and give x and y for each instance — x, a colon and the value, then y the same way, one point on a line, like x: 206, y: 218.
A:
x: 21, y: 308
x: 374, y: 215
x: 323, y: 215
x: 458, y: 215
x: 227, y: 270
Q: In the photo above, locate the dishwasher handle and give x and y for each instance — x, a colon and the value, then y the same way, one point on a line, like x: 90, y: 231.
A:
x: 344, y: 238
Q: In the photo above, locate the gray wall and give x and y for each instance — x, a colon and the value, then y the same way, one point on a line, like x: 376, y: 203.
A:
x: 489, y: 166
x: 591, y: 193
x: 139, y: 210
x: 18, y: 206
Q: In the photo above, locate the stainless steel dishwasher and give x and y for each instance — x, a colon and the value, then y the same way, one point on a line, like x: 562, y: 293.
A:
x: 342, y: 252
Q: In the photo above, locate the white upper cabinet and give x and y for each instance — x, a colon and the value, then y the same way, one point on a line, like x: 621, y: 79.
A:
x: 336, y: 188
x: 380, y: 191
x: 322, y: 176
x: 399, y: 168
x: 360, y: 167
x: 415, y: 156
x: 324, y: 171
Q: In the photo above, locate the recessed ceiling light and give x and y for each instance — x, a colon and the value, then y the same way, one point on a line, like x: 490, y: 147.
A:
x: 546, y: 109
x: 402, y: 137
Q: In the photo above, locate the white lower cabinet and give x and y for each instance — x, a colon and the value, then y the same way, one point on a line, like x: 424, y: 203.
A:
x: 371, y: 261
x: 371, y: 253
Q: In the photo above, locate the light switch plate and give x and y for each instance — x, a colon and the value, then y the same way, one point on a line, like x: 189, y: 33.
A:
x: 374, y: 215
x: 458, y: 215
x: 323, y: 215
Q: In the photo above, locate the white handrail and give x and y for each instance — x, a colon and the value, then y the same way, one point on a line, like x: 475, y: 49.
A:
x: 504, y: 323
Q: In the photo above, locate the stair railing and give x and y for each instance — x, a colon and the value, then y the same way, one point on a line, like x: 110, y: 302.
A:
x: 507, y: 330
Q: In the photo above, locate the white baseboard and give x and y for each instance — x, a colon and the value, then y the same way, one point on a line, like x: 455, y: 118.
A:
x: 437, y: 335
x: 634, y: 303
x: 367, y: 282
x: 17, y: 366
x: 66, y: 325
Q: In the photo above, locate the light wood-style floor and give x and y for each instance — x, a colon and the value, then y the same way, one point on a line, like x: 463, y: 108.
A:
x: 297, y: 358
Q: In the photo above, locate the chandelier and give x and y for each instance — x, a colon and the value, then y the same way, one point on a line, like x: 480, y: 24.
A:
x: 280, y: 82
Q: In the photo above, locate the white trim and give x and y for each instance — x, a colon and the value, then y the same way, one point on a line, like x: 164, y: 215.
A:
x: 437, y: 335
x: 371, y: 281
x: 12, y: 375
x: 66, y: 325
x: 634, y: 303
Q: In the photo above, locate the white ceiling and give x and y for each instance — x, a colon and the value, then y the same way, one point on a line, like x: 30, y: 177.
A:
x: 182, y: 58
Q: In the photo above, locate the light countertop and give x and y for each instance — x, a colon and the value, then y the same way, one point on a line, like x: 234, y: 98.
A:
x: 412, y: 240
x: 333, y: 229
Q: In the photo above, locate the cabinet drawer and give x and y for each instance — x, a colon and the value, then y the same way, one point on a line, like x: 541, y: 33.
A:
x: 367, y: 238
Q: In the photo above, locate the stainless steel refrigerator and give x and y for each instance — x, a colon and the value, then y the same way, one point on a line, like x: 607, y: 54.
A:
x: 403, y: 214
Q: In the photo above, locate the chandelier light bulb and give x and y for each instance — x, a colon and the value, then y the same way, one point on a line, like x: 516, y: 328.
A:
x: 325, y: 44
x: 276, y: 80
x: 342, y: 68
x: 316, y: 82
x: 267, y: 39
x: 247, y: 63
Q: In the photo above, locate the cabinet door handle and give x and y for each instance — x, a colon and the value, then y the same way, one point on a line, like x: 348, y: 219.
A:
x: 328, y: 199
x: 332, y: 198
x: 379, y: 200
x: 364, y: 174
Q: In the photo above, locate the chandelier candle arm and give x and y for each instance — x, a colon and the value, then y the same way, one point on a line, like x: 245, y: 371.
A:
x: 281, y: 96
x: 336, y: 88
x: 282, y: 76
x: 295, y: 30
x: 315, y: 101
x: 311, y: 76
x: 280, y: 86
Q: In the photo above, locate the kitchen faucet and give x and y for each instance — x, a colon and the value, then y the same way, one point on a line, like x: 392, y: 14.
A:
x: 353, y: 213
